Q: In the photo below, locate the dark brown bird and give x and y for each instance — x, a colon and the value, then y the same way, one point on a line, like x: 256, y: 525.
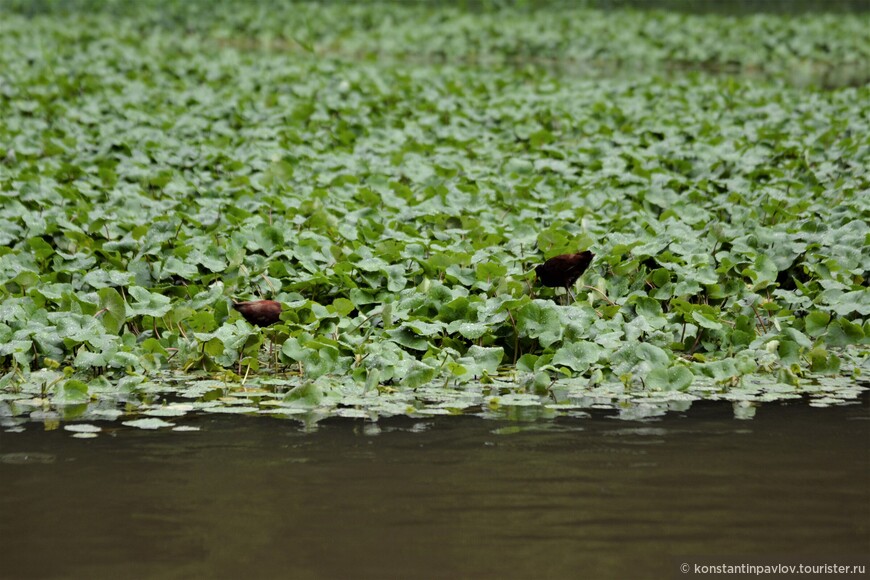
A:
x: 260, y: 312
x: 563, y: 270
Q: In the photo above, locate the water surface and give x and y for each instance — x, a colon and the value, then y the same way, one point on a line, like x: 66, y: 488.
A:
x: 450, y: 497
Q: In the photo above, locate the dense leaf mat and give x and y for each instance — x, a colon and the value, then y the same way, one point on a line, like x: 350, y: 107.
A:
x: 397, y: 207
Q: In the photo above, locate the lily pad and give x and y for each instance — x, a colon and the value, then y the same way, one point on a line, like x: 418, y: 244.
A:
x: 147, y: 423
x: 82, y: 428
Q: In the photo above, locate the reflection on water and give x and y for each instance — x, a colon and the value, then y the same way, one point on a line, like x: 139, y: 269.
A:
x: 444, y: 497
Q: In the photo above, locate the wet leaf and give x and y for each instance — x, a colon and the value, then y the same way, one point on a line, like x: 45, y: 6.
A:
x: 673, y: 378
x: 114, y: 310
x: 147, y: 423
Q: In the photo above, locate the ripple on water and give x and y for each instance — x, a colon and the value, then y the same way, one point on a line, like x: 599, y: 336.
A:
x: 25, y: 457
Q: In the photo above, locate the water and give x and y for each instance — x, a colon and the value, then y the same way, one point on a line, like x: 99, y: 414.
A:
x: 437, y: 498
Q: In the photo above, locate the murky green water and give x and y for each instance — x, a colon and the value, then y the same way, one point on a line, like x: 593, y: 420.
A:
x: 452, y: 497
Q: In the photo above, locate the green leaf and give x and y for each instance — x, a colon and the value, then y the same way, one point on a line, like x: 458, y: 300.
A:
x: 722, y: 370
x: 540, y: 319
x: 675, y: 378
x: 842, y: 332
x: 307, y: 395
x: 660, y: 277
x: 72, y: 392
x: 343, y: 306
x: 147, y: 303
x: 114, y: 310
x: 469, y: 330
x: 577, y: 355
x: 765, y: 271
x: 821, y: 361
x: 638, y: 359
x: 857, y: 301
x: 373, y: 377
x: 705, y: 321
x: 102, y: 278
x: 816, y: 323
x: 486, y: 359
x: 418, y: 374
x: 527, y: 362
x: 408, y: 339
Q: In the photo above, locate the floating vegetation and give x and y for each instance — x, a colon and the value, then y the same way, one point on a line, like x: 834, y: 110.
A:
x: 151, y: 177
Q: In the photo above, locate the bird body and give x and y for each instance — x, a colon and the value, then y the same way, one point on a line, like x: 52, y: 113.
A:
x: 260, y: 312
x: 563, y: 270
